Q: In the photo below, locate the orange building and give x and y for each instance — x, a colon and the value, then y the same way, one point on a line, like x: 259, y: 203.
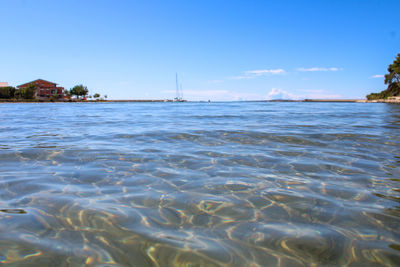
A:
x: 45, y: 89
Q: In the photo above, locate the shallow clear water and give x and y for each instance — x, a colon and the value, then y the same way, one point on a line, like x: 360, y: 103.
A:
x: 200, y: 184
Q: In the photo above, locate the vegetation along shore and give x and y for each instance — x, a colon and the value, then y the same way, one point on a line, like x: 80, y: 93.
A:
x: 45, y: 91
x: 392, y: 93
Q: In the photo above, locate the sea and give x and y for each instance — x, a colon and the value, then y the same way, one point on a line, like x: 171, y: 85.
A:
x: 200, y: 184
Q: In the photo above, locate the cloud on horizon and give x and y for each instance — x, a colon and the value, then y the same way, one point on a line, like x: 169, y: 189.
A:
x: 317, y: 69
x: 274, y: 93
x: 377, y: 76
x: 277, y: 93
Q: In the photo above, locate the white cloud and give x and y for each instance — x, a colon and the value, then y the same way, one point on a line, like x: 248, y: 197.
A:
x: 251, y: 74
x: 241, y: 77
x: 262, y: 72
x: 317, y: 69
x: 277, y: 93
x: 378, y: 76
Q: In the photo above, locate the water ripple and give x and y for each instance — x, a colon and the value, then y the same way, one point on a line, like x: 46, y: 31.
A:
x: 200, y: 184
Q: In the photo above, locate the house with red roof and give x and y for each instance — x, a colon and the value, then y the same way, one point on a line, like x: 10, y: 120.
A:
x: 45, y: 89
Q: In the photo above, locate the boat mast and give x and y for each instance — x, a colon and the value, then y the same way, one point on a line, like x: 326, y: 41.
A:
x: 177, y: 87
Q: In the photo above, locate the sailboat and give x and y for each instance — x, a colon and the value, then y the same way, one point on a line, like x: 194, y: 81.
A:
x: 179, y: 93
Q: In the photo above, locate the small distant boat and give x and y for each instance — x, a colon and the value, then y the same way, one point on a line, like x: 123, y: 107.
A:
x: 179, y: 93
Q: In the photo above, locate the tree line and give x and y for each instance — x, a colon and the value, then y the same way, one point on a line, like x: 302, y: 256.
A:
x: 10, y: 92
x: 81, y: 91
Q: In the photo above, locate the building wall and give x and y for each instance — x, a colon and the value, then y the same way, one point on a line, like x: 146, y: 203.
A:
x: 3, y: 84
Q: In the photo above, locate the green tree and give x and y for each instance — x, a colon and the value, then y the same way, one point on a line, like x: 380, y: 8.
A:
x: 96, y: 95
x: 29, y: 91
x: 67, y: 92
x: 7, y: 92
x: 79, y: 90
x: 392, y: 79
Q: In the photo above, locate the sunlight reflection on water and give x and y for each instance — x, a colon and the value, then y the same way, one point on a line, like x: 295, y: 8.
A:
x: 212, y: 184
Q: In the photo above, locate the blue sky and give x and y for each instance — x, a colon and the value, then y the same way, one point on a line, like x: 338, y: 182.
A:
x: 222, y: 50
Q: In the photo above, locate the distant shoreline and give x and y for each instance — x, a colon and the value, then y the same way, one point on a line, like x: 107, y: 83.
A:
x: 80, y: 101
x: 396, y: 101
x: 321, y: 100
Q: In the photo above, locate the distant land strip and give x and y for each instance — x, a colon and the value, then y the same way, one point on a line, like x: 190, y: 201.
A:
x: 395, y: 100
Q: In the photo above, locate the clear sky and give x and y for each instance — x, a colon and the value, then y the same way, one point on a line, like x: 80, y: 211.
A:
x: 221, y: 50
